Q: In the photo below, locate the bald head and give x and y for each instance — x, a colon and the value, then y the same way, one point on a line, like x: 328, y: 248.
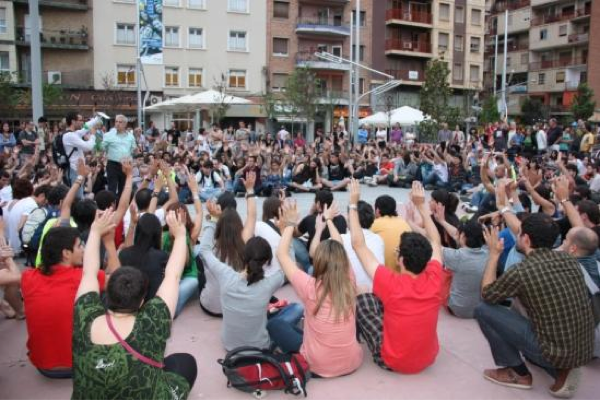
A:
x: 581, y: 242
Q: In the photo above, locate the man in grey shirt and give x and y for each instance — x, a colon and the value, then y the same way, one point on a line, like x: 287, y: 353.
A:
x: 467, y: 265
x: 444, y: 134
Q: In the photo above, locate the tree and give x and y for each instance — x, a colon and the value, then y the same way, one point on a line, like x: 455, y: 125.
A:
x: 435, y: 100
x: 489, y: 111
x: 52, y: 94
x: 330, y: 101
x: 219, y: 109
x: 533, y: 111
x: 9, y: 97
x: 583, y: 103
x: 302, y: 93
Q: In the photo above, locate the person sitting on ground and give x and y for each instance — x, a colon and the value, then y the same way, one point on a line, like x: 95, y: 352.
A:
x: 558, y: 332
x: 209, y: 181
x: 399, y: 339
x: 390, y: 227
x: 49, y: 296
x: 339, y: 174
x: 10, y: 280
x: 250, y: 167
x: 245, y: 294
x: 328, y: 341
x: 119, y: 351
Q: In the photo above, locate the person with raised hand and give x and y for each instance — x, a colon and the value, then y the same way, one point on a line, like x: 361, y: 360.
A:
x: 387, y: 318
x: 328, y: 341
x: 118, y: 351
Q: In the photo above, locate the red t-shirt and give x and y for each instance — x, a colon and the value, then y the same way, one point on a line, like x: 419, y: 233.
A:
x: 410, y: 306
x: 119, y: 239
x: 49, y: 302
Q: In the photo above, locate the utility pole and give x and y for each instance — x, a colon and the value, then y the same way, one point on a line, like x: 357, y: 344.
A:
x: 37, y: 93
x: 357, y: 74
x: 138, y: 73
x: 351, y: 75
x: 505, y: 105
x: 496, y: 65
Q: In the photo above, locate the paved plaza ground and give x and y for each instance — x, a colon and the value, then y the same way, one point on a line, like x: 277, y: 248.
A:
x: 457, y: 373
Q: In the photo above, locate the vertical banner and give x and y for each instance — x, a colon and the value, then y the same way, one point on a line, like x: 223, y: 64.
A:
x: 151, y: 31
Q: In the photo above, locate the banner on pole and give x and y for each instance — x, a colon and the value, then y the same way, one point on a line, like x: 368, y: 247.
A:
x: 151, y: 31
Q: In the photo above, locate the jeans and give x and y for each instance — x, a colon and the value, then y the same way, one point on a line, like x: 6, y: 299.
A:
x: 184, y: 194
x: 207, y: 194
x: 301, y: 254
x: 187, y: 288
x: 66, y: 373
x: 283, y: 331
x: 434, y: 179
x: 240, y: 188
x: 510, y: 334
x: 115, y: 177
x: 72, y: 179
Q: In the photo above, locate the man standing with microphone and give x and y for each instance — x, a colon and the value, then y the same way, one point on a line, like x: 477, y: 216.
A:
x: 119, y: 144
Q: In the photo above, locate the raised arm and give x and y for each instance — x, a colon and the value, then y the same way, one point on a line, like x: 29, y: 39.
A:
x: 329, y: 213
x: 545, y: 205
x: 159, y: 184
x: 417, y: 196
x: 289, y: 216
x: 103, y: 224
x: 82, y: 172
x: 510, y: 218
x: 193, y: 186
x: 127, y: 190
x: 169, y: 288
x: 319, y: 228
x: 249, y: 181
x: 130, y: 236
x: 10, y: 273
x: 366, y: 257
x: 496, y: 247
x: 440, y: 217
x: 561, y: 191
x: 167, y: 172
x: 485, y: 179
x: 112, y: 258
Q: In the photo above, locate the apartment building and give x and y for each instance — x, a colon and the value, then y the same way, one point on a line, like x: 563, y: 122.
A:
x: 297, y: 29
x: 66, y: 44
x: 413, y: 32
x: 206, y: 43
x: 549, y: 51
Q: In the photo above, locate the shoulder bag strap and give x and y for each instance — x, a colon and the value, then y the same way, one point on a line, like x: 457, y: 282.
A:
x: 130, y: 349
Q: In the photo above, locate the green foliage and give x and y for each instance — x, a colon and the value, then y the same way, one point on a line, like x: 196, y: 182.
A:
x: 489, y: 111
x: 435, y: 100
x: 583, y: 104
x: 52, y: 93
x: 533, y: 111
x: 302, y: 93
x: 219, y: 110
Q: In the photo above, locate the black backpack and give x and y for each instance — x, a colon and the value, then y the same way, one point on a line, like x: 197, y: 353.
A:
x: 59, y: 154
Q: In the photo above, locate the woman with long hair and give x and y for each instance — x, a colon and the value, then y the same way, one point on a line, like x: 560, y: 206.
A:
x: 245, y: 294
x: 7, y: 139
x: 329, y: 339
x: 119, y: 350
x: 445, y: 203
x: 306, y: 176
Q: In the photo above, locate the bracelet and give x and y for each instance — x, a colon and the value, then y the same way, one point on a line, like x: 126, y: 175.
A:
x: 154, y: 194
x: 505, y: 209
x: 250, y: 195
x: 564, y: 201
x: 80, y: 177
x: 195, y: 198
x: 352, y: 207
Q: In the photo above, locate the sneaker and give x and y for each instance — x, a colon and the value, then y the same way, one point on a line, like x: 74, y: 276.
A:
x: 566, y: 384
x: 508, y: 377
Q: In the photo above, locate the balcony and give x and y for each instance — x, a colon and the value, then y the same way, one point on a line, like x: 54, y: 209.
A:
x: 579, y: 38
x: 408, y: 76
x: 77, y: 79
x: 502, y: 6
x: 74, y: 39
x: 517, y: 89
x: 512, y: 47
x: 556, y: 63
x: 407, y: 47
x: 322, y: 26
x: 398, y: 16
x: 74, y: 5
x: 307, y: 58
x: 549, y: 19
x: 328, y: 96
x: 541, y: 3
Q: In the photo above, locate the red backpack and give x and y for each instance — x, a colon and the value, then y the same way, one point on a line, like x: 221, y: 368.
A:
x: 253, y: 370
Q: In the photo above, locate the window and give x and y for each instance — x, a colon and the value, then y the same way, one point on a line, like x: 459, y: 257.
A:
x: 562, y: 30
x: 336, y: 51
x: 474, y: 73
x: 543, y: 34
x: 237, y: 6
x: 196, y: 38
x: 237, y: 41
x: 458, y: 43
x: 125, y: 34
x: 281, y: 9
x: 361, y: 54
x: 171, y: 76
x: 171, y: 3
x: 457, y: 72
x: 541, y: 78
x: 525, y: 58
x: 280, y: 46
x: 278, y: 83
x: 363, y: 18
x: 3, y: 21
x: 172, y: 37
x: 197, y: 4
x: 475, y: 17
x: 237, y: 79
x: 560, y: 77
x: 459, y: 15
x: 444, y: 12
x: 508, y: 60
x: 475, y: 44
x: 125, y: 75
x: 443, y: 41
x: 361, y: 86
x: 195, y: 78
x: 4, y: 62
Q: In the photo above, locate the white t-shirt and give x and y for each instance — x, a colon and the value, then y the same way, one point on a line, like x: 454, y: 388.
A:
x: 208, y: 180
x: 159, y: 213
x: 542, y: 141
x: 375, y: 244
x: 283, y: 135
x: 381, y: 135
x: 265, y: 231
x: 595, y: 183
x: 442, y: 171
x: 13, y: 216
x: 5, y: 195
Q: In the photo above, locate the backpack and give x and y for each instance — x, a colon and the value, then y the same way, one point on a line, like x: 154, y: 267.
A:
x: 31, y: 233
x: 253, y: 370
x: 59, y: 154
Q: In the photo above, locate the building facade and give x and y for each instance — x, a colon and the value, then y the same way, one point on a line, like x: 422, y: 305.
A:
x: 549, y: 51
x: 297, y: 29
x: 412, y: 32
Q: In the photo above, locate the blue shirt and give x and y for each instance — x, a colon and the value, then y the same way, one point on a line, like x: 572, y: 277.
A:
x: 363, y: 135
x: 118, y: 146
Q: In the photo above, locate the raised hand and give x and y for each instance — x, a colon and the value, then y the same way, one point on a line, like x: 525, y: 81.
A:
x: 439, y: 213
x: 103, y: 222
x: 492, y: 239
x: 560, y: 187
x: 82, y: 169
x: 192, y: 184
x: 133, y: 210
x: 329, y: 212
x: 289, y: 212
x: 417, y: 194
x: 249, y: 181
x: 176, y: 223
x: 320, y: 224
x: 214, y: 209
x: 6, y: 252
x: 126, y: 167
x: 354, y: 191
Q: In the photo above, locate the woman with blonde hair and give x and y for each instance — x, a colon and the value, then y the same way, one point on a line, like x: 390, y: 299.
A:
x: 329, y: 339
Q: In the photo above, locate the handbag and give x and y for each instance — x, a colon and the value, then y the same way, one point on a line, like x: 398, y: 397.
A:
x: 130, y: 349
x: 253, y: 370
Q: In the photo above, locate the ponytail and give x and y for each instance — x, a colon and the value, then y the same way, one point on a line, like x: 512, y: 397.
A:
x: 255, y: 271
x: 257, y: 253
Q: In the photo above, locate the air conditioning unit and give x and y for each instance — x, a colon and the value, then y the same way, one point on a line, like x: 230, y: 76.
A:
x: 155, y: 99
x: 54, y: 77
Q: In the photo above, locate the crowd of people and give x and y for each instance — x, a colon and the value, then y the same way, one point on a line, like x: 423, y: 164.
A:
x: 121, y: 229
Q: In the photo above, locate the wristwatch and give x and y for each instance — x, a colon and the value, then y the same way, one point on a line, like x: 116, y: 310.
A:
x: 352, y: 207
x: 564, y: 201
x: 155, y: 194
x: 505, y: 210
x: 250, y: 195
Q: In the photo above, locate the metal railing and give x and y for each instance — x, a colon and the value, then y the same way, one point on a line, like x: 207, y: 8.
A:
x: 549, y: 19
x: 407, y: 74
x: 408, y: 46
x: 556, y: 63
x: 62, y: 37
x: 326, y: 22
x: 575, y: 38
x: 414, y: 16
